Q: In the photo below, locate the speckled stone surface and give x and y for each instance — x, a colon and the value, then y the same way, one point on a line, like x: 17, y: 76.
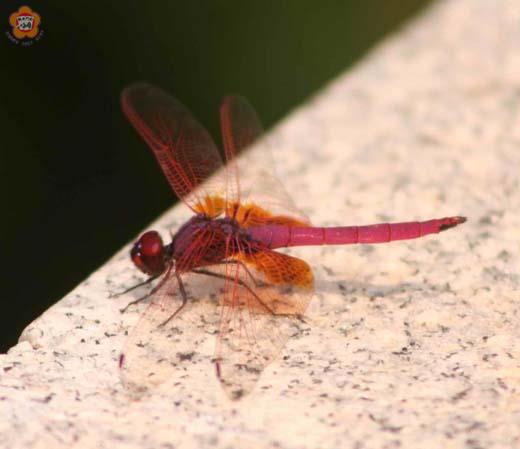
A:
x: 410, y: 344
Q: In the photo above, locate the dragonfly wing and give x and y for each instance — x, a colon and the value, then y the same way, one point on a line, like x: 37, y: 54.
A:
x: 264, y: 298
x: 155, y: 352
x: 258, y: 184
x: 184, y: 149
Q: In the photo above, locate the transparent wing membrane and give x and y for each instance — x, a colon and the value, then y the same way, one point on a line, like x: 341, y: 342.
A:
x: 254, y: 296
x: 262, y: 307
x: 258, y: 184
x: 183, y: 148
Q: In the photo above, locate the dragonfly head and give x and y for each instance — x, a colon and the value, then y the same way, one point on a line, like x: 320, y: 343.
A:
x: 148, y: 254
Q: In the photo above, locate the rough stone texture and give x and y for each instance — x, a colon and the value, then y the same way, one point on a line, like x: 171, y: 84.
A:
x: 411, y: 344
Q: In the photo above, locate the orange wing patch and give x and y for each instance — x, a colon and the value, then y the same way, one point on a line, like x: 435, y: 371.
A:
x: 210, y: 205
x: 283, y: 284
x: 282, y: 269
x: 249, y: 215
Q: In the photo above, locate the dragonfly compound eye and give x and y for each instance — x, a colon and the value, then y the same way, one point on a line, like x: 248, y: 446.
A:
x: 148, y: 253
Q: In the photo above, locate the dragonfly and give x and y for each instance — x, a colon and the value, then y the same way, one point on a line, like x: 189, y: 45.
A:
x: 242, y: 217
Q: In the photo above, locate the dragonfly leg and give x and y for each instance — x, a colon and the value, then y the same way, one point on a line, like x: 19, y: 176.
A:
x: 240, y: 282
x: 135, y: 301
x: 300, y: 317
x: 133, y: 287
x: 242, y: 264
x: 150, y: 293
x: 184, y: 301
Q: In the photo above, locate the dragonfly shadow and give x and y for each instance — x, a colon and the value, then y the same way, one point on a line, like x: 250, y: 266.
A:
x: 400, y: 294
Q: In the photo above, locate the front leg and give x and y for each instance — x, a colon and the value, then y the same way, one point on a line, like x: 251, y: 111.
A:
x: 133, y: 287
x: 150, y: 293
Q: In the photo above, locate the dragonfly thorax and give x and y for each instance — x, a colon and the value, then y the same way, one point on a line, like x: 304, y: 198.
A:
x: 213, y: 238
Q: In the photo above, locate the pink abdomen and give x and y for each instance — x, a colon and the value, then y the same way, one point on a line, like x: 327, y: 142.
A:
x: 280, y: 236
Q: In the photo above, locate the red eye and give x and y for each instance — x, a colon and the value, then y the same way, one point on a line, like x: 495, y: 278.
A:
x: 148, y: 253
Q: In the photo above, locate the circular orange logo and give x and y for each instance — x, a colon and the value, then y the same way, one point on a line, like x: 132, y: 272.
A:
x: 25, y: 23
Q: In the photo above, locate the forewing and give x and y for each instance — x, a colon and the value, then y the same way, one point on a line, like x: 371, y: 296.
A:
x: 252, y: 176
x: 264, y: 299
x: 184, y: 149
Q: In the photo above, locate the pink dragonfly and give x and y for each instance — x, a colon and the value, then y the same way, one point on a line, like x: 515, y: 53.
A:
x: 238, y: 223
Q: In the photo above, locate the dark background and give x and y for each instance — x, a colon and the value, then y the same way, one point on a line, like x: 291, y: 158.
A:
x: 76, y: 182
